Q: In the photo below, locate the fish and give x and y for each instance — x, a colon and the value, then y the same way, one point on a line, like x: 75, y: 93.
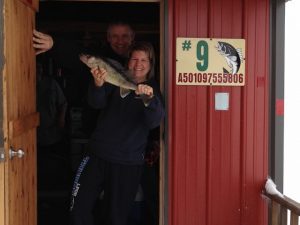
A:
x: 233, y: 56
x: 116, y: 74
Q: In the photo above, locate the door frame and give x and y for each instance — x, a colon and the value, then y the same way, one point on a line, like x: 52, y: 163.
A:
x: 163, y: 164
x: 18, y: 128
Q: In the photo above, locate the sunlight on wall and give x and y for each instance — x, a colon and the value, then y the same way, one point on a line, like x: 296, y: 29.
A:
x: 292, y: 101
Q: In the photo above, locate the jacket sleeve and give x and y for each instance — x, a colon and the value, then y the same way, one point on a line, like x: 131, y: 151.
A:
x: 154, y: 111
x: 98, y: 96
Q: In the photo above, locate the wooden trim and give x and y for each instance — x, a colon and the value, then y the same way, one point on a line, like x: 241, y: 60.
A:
x: 19, y: 126
x: 2, y: 195
x: 294, y: 219
x: 101, y: 0
x: 163, y: 153
x: 34, y: 4
x: 286, y: 202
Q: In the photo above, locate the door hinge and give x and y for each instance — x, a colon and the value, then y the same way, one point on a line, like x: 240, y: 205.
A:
x: 2, y: 155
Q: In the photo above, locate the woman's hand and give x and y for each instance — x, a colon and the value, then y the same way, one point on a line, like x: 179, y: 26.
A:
x: 99, y: 75
x: 143, y: 89
x: 41, y: 42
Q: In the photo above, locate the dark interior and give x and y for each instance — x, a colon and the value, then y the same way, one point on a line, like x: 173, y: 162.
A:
x: 87, y: 21
x: 83, y: 23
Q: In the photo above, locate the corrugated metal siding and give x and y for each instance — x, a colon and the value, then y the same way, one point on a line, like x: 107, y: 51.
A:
x: 218, y: 159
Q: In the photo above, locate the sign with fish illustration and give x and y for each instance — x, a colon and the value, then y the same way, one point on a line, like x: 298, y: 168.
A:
x: 206, y: 61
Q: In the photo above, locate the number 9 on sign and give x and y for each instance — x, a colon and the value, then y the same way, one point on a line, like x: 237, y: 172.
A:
x: 202, y: 55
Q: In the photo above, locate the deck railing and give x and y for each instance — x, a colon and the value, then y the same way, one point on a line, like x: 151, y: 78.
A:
x: 280, y: 207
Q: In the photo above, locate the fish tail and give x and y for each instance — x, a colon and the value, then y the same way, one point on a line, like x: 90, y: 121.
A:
x: 124, y: 92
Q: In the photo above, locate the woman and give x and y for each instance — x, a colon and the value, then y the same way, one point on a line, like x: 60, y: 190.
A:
x: 117, y: 146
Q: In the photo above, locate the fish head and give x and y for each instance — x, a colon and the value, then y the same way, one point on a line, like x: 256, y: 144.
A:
x: 224, y: 48
x: 230, y: 54
x: 89, y: 60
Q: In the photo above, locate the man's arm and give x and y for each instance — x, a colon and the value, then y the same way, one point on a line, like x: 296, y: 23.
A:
x: 64, y: 53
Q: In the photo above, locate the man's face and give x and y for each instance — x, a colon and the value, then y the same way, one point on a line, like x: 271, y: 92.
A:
x: 120, y: 38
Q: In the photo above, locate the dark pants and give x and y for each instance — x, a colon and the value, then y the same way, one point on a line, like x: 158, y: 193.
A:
x: 53, y: 168
x: 150, y: 186
x: 119, y: 182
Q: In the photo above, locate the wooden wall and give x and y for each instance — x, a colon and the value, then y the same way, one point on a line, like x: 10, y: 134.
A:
x: 1, y: 116
x: 218, y: 160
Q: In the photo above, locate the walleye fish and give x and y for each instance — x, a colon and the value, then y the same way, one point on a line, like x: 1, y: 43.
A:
x: 116, y: 74
x: 233, y: 56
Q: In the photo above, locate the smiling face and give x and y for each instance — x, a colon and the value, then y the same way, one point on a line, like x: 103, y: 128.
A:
x: 139, y: 66
x: 120, y: 37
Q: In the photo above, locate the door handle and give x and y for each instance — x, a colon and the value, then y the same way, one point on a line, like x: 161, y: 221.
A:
x: 12, y: 153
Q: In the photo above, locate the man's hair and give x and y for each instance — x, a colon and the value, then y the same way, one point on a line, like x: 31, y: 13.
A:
x: 119, y: 23
x: 149, y: 50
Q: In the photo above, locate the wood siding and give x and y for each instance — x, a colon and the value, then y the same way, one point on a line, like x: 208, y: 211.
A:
x: 218, y: 160
x: 18, y: 199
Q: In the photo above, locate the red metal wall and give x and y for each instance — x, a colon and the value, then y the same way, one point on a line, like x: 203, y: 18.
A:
x: 219, y: 159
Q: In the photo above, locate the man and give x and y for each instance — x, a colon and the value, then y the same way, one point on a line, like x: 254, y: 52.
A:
x: 52, y: 106
x: 120, y: 36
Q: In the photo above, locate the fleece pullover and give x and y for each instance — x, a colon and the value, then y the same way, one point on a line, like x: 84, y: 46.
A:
x: 124, y: 124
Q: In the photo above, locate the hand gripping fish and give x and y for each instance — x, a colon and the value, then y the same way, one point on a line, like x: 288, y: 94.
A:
x: 116, y: 74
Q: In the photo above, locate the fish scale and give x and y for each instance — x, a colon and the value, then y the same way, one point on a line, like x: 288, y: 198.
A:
x: 116, y: 75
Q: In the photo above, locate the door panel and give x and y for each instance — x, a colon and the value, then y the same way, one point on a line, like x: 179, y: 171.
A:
x: 19, y: 114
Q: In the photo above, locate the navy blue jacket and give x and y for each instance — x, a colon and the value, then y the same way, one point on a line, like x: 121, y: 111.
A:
x: 123, y: 127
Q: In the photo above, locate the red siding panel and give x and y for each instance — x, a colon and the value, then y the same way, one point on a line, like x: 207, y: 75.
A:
x: 218, y: 159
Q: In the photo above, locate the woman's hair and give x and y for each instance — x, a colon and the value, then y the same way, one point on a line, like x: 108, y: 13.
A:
x: 149, y: 50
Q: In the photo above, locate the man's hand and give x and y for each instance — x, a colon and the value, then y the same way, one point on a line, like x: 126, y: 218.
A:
x: 41, y: 42
x: 99, y: 75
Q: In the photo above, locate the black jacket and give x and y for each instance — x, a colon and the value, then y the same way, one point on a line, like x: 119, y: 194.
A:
x: 123, y: 128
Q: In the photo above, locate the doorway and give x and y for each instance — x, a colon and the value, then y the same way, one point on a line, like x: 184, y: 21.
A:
x: 84, y: 23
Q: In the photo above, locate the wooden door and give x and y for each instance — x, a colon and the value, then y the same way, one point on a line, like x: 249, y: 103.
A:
x: 18, y: 170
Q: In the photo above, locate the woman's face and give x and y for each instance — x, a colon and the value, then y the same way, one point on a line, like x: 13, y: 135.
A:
x: 139, y: 66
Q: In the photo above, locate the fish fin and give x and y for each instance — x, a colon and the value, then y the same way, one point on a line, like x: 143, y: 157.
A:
x: 228, y: 61
x: 124, y: 92
x: 225, y: 71
x: 232, y: 58
x: 240, y: 52
x: 129, y: 75
x: 117, y: 66
x: 114, y: 63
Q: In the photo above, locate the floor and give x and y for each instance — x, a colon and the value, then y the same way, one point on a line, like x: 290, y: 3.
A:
x: 53, y: 208
x: 54, y: 185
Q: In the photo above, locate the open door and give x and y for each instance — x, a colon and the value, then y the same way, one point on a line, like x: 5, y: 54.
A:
x: 80, y: 22
x: 18, y: 167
